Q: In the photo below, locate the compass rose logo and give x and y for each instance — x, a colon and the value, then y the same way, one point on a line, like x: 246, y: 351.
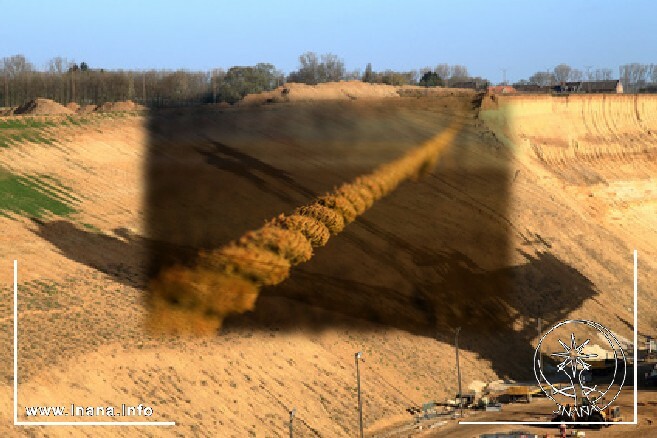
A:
x: 574, y: 365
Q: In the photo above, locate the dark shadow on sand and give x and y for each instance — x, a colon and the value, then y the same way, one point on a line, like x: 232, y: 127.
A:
x: 431, y: 256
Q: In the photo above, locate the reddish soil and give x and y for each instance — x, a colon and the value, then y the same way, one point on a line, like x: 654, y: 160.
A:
x: 42, y: 106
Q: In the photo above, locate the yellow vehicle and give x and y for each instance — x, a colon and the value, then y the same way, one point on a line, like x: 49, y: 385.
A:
x: 612, y: 414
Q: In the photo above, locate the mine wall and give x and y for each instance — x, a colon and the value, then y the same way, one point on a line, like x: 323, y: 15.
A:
x: 563, y: 128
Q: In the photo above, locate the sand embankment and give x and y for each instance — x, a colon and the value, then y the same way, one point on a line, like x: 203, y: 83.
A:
x: 583, y: 177
x: 562, y: 128
x: 346, y: 90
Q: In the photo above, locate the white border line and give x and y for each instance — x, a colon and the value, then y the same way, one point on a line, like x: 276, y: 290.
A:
x: 15, y: 342
x: 636, y: 338
x: 636, y: 374
x: 59, y: 423
x: 552, y: 423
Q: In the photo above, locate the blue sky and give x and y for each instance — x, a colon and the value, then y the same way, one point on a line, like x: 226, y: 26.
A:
x: 486, y: 36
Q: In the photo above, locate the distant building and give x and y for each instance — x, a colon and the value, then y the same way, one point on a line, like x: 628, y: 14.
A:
x: 648, y: 89
x: 471, y: 84
x: 568, y: 87
x: 613, y: 86
x: 463, y: 84
x: 532, y: 88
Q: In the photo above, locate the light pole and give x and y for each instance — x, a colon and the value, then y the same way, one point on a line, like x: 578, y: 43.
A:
x: 458, y: 369
x: 358, y: 357
x: 292, y: 413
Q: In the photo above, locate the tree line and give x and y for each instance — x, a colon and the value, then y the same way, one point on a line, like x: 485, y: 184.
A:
x: 635, y: 77
x: 65, y: 81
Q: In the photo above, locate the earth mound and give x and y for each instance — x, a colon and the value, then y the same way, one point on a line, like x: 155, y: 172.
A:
x: 84, y: 109
x: 42, y: 106
x: 345, y: 90
x: 127, y: 105
x: 73, y: 106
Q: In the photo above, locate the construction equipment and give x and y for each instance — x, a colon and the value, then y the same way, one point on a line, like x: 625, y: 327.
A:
x: 429, y: 410
x: 493, y: 407
x: 612, y: 414
x: 467, y: 400
x: 516, y: 393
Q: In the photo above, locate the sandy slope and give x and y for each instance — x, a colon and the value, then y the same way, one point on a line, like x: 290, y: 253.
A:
x: 346, y: 90
x: 596, y: 154
x: 242, y: 381
x: 568, y: 228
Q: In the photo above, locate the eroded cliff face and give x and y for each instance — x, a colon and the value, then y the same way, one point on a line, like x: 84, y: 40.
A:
x: 575, y: 127
x: 585, y: 183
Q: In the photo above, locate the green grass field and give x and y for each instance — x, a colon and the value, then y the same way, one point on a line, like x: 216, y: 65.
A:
x: 21, y: 130
x: 34, y: 196
x: 36, y: 130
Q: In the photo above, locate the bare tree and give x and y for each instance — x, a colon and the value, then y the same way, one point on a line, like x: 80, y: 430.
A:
x: 314, y: 69
x: 603, y: 74
x: 444, y: 72
x: 542, y: 78
x: 16, y: 65
x: 58, y: 86
x: 458, y: 73
x: 18, y: 73
x: 448, y: 73
x: 5, y: 77
x: 562, y: 72
x: 308, y: 72
x: 417, y: 74
x: 576, y: 75
x: 58, y: 65
x: 354, y: 75
x: 633, y: 75
x: 589, y: 75
x: 331, y: 68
